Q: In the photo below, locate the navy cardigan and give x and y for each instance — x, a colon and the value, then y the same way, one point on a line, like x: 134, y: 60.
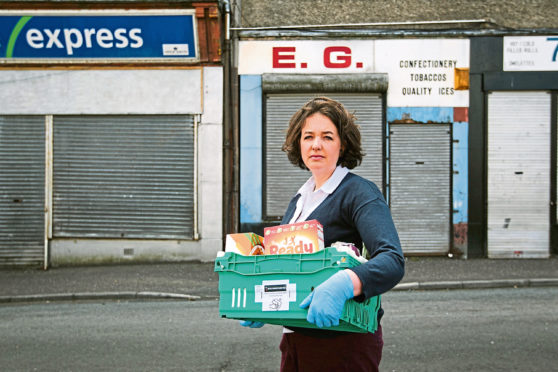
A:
x: 357, y: 213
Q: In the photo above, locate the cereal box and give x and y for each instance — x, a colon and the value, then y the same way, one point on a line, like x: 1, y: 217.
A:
x: 300, y: 237
x: 247, y: 244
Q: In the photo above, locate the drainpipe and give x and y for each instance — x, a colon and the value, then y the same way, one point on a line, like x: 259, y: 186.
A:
x: 196, y: 188
x: 227, y: 7
x: 48, y: 189
x: 230, y: 135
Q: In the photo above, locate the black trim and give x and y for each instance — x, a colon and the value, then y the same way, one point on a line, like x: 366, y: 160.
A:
x: 553, y: 173
x: 384, y: 145
x: 486, y: 54
x: 256, y: 227
x: 531, y: 80
x: 476, y: 240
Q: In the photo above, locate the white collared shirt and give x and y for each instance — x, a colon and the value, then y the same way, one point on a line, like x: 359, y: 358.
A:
x: 310, y: 199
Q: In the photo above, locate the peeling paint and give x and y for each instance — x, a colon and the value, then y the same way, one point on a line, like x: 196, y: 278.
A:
x: 460, y: 233
x: 422, y: 115
x: 411, y: 121
x: 461, y: 114
x: 407, y: 119
x: 460, y: 168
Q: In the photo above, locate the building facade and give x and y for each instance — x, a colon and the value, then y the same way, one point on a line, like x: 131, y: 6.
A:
x: 147, y: 131
x: 514, y: 83
x: 110, y: 114
x: 435, y: 98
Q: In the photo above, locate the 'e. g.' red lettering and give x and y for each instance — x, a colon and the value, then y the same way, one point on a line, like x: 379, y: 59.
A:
x: 281, y: 54
x: 342, y: 56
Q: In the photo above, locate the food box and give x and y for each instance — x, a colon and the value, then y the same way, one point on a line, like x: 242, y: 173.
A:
x: 300, y: 237
x: 247, y: 244
x: 269, y: 289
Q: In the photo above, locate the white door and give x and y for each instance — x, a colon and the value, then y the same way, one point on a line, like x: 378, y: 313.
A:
x: 518, y: 174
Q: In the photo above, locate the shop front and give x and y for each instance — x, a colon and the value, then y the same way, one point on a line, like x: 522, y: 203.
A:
x: 410, y: 97
x: 517, y: 111
x: 108, y: 124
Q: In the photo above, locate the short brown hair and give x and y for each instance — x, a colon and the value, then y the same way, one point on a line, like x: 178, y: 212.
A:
x: 349, y: 133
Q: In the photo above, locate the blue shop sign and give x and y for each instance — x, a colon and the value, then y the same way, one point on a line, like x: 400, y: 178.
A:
x: 98, y: 37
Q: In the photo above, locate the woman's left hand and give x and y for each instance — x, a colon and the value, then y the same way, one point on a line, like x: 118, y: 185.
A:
x: 325, y: 303
x: 251, y: 324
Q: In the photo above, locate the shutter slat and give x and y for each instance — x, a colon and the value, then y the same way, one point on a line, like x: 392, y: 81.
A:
x: 123, y: 176
x: 22, y: 190
x: 518, y: 174
x: 420, y: 186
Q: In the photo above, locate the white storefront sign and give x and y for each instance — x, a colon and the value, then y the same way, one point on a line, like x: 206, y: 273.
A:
x: 531, y: 53
x: 306, y: 57
x: 421, y: 72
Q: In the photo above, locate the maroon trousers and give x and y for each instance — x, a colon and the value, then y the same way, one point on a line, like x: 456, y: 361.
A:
x: 347, y: 352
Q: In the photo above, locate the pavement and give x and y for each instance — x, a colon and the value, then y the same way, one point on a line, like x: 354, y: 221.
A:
x: 198, y: 281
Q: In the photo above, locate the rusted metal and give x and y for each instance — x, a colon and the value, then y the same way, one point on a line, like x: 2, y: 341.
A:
x: 209, y: 31
x: 460, y: 233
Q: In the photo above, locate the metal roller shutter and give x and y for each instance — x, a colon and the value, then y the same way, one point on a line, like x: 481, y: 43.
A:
x: 22, y: 190
x: 518, y: 192
x: 282, y: 179
x: 420, y: 186
x: 123, y: 176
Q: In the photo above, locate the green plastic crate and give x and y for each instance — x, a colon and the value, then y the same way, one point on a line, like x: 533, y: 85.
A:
x: 269, y: 289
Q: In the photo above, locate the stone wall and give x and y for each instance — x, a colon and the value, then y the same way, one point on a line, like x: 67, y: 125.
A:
x: 516, y: 14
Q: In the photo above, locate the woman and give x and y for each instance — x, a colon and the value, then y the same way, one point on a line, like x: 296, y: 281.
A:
x: 323, y: 138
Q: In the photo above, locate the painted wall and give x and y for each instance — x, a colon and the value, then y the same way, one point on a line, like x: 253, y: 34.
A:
x: 460, y: 180
x: 251, y: 152
x: 100, y: 92
x: 210, y: 165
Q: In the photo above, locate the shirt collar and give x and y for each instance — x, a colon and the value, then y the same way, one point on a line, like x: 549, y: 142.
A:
x: 330, y: 185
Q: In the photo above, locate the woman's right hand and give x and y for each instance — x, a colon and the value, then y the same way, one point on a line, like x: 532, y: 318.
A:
x: 251, y: 324
x: 325, y: 303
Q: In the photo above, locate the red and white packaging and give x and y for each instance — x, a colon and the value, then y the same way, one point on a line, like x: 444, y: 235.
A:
x: 300, y: 237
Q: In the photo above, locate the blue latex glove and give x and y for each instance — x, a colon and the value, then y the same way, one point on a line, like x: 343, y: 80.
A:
x: 327, y: 300
x: 251, y: 324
